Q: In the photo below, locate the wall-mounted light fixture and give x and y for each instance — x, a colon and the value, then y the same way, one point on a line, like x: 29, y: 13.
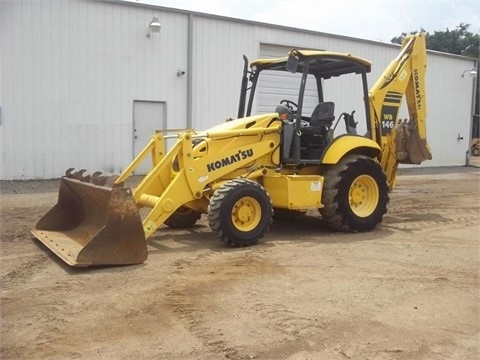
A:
x: 154, y: 26
x: 472, y: 72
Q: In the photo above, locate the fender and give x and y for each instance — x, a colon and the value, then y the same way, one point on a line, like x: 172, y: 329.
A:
x: 350, y: 143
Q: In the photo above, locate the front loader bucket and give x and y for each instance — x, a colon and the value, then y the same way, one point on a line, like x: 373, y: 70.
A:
x: 93, y: 225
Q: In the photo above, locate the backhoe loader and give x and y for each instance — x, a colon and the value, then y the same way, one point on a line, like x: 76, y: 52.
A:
x: 242, y: 170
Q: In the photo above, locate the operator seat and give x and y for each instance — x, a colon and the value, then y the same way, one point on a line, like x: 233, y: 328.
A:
x: 323, y: 114
x: 315, y: 137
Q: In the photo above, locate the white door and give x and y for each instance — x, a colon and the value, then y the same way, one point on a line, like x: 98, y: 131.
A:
x: 148, y: 117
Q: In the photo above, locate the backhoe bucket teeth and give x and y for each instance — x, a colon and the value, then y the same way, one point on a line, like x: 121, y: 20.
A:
x: 93, y: 225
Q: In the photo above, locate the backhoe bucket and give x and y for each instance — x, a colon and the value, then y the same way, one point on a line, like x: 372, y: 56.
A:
x: 93, y: 225
x: 410, y: 148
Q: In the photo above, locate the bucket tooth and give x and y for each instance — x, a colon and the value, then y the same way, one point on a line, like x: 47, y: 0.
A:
x: 98, y: 179
x: 70, y: 173
x: 79, y: 176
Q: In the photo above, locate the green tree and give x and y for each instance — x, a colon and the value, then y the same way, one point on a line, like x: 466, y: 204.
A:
x: 459, y: 41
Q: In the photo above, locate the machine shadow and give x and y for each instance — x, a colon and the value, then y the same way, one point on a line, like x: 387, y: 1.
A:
x: 305, y: 229
x: 297, y: 229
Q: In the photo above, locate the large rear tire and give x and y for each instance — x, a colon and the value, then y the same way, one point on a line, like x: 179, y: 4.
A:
x: 355, y: 194
x: 240, y: 212
x: 182, y: 218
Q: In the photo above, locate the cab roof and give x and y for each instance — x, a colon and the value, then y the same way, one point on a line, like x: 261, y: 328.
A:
x: 323, y: 64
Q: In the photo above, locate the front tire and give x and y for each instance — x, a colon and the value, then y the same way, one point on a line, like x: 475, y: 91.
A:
x: 355, y: 194
x: 240, y: 212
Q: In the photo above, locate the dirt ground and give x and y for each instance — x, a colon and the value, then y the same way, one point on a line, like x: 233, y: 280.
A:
x: 407, y: 290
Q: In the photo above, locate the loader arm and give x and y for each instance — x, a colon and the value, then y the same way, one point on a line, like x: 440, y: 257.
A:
x: 187, y: 172
x: 402, y: 141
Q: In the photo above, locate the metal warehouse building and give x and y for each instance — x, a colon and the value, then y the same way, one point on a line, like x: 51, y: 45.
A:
x: 85, y: 83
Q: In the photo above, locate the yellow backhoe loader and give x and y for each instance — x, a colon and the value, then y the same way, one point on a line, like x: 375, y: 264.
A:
x: 239, y: 172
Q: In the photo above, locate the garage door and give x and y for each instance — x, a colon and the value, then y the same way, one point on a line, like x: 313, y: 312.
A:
x: 275, y: 86
x: 346, y: 91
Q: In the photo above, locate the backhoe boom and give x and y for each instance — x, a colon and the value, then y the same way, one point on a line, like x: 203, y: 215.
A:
x: 403, y: 141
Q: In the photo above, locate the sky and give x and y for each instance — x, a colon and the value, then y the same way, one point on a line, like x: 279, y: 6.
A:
x: 378, y: 20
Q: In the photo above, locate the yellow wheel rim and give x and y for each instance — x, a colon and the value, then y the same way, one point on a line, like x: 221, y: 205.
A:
x: 363, y: 196
x: 246, y: 214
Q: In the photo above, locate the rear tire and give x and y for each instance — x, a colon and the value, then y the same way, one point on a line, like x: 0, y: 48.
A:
x: 182, y: 218
x: 240, y: 212
x: 355, y: 194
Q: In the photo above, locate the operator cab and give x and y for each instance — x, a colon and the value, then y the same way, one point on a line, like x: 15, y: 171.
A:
x: 309, y: 113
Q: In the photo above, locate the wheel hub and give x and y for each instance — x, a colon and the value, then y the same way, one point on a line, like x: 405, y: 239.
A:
x: 246, y: 213
x: 363, y: 196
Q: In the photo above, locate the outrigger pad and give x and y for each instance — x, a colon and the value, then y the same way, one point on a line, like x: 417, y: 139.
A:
x: 93, y: 225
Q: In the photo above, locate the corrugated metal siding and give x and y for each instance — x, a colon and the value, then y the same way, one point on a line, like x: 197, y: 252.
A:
x: 218, y: 46
x: 70, y: 71
x: 449, y: 110
x: 275, y: 86
x: 2, y: 106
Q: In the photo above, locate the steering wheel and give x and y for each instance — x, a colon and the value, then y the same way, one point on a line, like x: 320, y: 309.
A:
x: 290, y: 105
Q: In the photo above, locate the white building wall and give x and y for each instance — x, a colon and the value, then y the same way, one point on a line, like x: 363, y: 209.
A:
x: 449, y: 109
x: 219, y: 45
x: 2, y: 128
x: 70, y: 71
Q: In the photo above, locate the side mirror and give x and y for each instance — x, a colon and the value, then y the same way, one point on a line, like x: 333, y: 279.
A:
x: 292, y: 63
